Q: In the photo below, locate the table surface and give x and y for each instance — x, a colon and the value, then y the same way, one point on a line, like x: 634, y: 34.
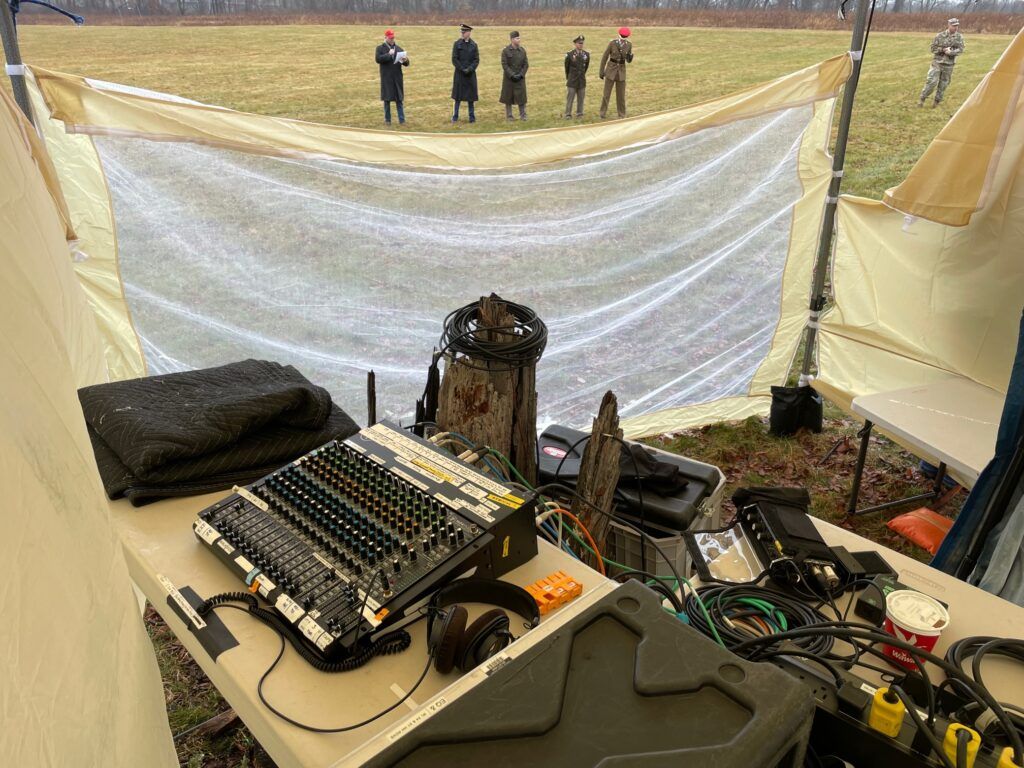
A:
x: 159, y: 541
x: 953, y: 420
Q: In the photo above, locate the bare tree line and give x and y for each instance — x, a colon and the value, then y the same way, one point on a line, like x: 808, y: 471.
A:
x: 398, y: 8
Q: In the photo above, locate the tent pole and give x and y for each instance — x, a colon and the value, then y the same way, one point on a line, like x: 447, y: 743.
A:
x: 860, y: 29
x: 12, y: 54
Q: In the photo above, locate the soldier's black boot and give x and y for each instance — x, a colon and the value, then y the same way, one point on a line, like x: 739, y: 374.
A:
x: 508, y: 112
x: 522, y: 112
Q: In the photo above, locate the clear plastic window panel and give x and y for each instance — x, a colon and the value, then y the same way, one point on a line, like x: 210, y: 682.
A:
x: 657, y: 269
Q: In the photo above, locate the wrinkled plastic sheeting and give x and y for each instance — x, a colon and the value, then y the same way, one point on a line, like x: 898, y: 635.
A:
x: 658, y: 270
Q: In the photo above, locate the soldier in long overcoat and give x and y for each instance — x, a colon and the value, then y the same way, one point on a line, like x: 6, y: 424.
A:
x: 465, y: 60
x: 513, y: 82
x: 577, y: 62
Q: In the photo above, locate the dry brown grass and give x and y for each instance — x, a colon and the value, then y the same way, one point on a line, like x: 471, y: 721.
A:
x: 974, y: 23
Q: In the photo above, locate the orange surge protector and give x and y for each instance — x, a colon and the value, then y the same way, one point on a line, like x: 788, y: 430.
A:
x: 554, y: 590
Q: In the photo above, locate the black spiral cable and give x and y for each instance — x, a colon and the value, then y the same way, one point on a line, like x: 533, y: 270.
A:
x: 510, y: 346
x: 394, y: 642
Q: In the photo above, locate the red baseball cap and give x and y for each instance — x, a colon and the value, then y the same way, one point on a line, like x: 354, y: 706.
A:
x: 389, y: 33
x: 623, y: 31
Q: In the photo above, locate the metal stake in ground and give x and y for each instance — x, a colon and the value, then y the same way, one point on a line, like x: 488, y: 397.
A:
x: 857, y: 45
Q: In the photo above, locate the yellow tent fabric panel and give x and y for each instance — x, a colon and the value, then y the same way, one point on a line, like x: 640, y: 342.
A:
x: 917, y: 300
x: 954, y: 176
x: 80, y: 681
x: 85, y: 108
x: 92, y: 216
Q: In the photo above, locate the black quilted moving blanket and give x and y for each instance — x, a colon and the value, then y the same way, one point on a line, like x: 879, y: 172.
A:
x: 201, y: 431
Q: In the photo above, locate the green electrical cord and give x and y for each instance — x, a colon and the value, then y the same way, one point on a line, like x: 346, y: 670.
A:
x: 608, y: 561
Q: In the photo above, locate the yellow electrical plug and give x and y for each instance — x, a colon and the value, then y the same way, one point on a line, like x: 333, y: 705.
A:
x: 1006, y: 759
x: 886, y: 713
x: 949, y: 743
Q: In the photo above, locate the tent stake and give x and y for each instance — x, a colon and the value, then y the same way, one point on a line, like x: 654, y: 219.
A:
x: 857, y: 44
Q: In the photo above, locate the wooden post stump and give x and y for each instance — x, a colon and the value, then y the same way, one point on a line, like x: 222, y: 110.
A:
x: 491, y: 404
x: 599, y: 471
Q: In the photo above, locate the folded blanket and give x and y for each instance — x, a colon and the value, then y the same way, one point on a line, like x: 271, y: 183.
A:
x: 200, y: 431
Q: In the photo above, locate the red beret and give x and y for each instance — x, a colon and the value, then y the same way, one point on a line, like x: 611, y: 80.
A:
x: 623, y: 31
x: 389, y: 33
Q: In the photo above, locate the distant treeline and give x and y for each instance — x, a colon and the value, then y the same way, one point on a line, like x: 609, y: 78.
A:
x: 992, y: 16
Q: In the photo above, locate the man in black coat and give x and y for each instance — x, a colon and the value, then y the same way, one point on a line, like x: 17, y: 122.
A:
x: 391, y: 59
x: 465, y: 59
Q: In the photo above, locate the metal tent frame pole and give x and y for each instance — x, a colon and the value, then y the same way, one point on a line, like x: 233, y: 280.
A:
x: 12, y: 55
x: 817, y: 302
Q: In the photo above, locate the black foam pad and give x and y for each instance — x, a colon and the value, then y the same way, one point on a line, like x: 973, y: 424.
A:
x: 449, y: 639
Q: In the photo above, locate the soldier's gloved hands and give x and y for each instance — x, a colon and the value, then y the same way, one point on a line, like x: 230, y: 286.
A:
x: 601, y: 75
x: 466, y: 71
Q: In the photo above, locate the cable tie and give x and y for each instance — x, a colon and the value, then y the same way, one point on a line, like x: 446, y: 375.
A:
x: 805, y: 379
x: 814, y: 314
x: 985, y: 719
x: 837, y: 174
x: 16, y: 69
x: 857, y: 55
x: 829, y: 200
x: 812, y: 323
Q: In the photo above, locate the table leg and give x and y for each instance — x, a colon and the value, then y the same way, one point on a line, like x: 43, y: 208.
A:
x: 940, y: 476
x: 862, y: 454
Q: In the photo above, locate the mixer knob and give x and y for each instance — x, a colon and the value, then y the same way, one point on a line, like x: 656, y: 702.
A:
x: 397, y: 565
x: 426, y: 545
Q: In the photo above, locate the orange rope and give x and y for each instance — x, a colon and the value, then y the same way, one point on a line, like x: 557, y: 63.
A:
x: 583, y: 529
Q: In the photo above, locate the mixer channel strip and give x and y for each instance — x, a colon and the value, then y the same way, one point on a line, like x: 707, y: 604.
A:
x: 345, y: 539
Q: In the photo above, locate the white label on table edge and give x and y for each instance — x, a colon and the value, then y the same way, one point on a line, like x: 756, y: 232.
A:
x: 420, y: 717
x: 179, y: 598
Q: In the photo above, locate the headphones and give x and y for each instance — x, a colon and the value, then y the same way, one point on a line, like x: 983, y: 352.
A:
x: 452, y: 644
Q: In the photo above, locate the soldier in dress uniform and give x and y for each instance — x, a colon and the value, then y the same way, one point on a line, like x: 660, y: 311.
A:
x: 513, y: 82
x: 946, y: 46
x: 613, y: 71
x: 391, y: 58
x: 576, y: 63
x: 465, y: 60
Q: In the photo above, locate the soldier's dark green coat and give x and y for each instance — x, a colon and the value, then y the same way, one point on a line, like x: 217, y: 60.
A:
x: 465, y: 59
x: 513, y: 83
x: 576, y: 65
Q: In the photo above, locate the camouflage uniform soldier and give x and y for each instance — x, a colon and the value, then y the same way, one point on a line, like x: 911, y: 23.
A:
x: 577, y: 61
x: 613, y: 71
x: 946, y: 46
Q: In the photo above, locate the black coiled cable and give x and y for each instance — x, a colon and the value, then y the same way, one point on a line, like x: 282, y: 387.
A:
x: 738, y: 614
x: 394, y: 642
x: 512, y: 346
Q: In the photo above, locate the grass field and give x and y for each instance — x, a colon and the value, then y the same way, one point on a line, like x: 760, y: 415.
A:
x: 327, y: 74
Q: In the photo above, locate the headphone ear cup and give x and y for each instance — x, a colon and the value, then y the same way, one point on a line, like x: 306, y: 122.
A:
x: 479, y: 640
x: 449, y: 639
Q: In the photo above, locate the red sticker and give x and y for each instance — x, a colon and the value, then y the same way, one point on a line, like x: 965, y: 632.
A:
x: 551, y: 450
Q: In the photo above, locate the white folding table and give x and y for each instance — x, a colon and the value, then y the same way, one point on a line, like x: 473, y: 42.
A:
x: 951, y: 422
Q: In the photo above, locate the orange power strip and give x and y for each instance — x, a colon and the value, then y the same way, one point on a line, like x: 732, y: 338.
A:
x: 554, y: 591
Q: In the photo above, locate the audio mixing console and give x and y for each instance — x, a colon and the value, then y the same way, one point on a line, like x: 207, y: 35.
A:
x: 345, y: 540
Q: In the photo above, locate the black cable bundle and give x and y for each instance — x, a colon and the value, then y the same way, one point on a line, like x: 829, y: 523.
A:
x: 464, y: 335
x: 740, y: 613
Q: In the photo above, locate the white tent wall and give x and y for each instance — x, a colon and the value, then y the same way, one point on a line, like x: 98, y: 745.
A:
x: 670, y: 255
x: 79, y: 684
x: 916, y: 300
